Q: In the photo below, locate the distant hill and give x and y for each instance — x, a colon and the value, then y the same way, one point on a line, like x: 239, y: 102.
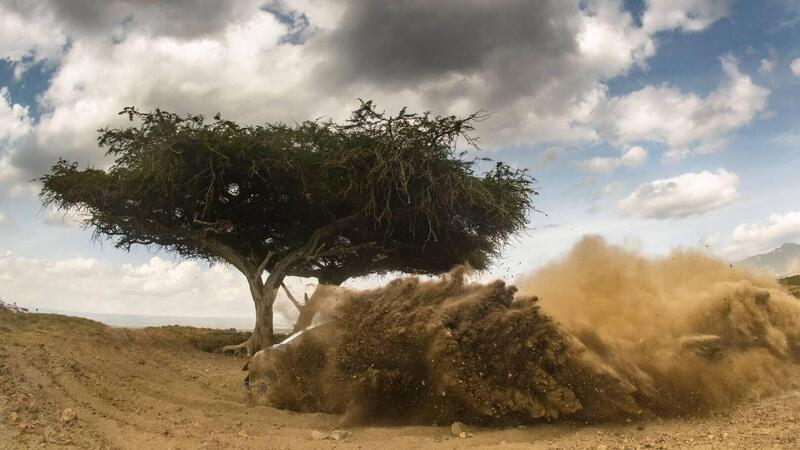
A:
x: 792, y: 284
x: 783, y: 261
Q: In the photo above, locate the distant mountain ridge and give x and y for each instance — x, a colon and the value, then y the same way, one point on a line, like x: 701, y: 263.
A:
x: 782, y: 261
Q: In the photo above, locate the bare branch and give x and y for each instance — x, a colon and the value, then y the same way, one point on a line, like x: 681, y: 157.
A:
x: 220, y: 226
x: 291, y: 297
x: 230, y: 255
x: 264, y: 263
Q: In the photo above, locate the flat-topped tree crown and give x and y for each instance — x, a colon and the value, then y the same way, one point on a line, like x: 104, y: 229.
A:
x: 377, y: 193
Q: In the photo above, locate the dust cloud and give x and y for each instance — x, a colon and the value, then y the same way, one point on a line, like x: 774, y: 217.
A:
x: 689, y: 332
x: 601, y: 334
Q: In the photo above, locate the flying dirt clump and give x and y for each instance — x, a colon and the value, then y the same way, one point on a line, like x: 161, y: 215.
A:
x: 432, y: 351
x: 612, y: 335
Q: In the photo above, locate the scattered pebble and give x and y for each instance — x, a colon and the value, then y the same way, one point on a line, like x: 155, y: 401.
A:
x: 338, y: 435
x: 69, y: 415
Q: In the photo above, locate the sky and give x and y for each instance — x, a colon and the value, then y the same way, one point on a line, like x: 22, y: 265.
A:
x: 657, y: 124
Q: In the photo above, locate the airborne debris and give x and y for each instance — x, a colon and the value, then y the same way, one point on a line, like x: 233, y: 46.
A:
x: 624, y: 337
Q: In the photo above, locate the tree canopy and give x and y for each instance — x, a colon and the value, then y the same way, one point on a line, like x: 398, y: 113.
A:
x: 316, y: 199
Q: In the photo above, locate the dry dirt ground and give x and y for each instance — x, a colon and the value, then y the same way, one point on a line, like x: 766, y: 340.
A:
x: 153, y: 388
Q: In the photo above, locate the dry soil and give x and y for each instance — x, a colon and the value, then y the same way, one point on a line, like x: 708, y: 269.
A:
x: 152, y: 388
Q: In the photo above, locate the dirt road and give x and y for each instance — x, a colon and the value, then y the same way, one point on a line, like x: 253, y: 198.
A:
x: 152, y: 388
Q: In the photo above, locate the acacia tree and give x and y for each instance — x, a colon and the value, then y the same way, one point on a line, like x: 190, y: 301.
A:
x: 317, y: 199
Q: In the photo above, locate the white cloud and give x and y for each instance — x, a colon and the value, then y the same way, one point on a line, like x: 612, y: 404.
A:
x: 15, y: 127
x: 778, y: 229
x: 598, y: 164
x: 633, y: 157
x: 612, y: 188
x: 14, y: 119
x: 767, y: 66
x: 543, y: 84
x: 30, y: 32
x: 4, y: 220
x: 689, y: 15
x: 682, y: 196
x: 688, y: 124
x: 796, y: 67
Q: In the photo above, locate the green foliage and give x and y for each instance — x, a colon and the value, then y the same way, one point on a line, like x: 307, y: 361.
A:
x: 413, y: 202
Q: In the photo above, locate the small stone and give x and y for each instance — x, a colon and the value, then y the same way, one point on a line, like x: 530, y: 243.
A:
x: 318, y: 435
x: 338, y: 435
x: 69, y: 415
x: 243, y: 433
x: 640, y: 427
x: 462, y: 435
x: 457, y: 428
x: 13, y: 417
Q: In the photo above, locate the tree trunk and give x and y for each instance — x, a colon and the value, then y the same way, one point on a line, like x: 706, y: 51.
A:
x: 312, y: 306
x: 262, y: 336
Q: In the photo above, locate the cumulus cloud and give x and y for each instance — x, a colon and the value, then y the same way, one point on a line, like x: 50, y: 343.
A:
x: 682, y: 196
x: 30, y: 30
x: 633, y: 157
x: 688, y: 124
x: 539, y: 67
x: 778, y: 229
x: 156, y: 287
x: 796, y: 67
x: 14, y: 119
x: 767, y: 66
x: 15, y: 128
x: 689, y: 15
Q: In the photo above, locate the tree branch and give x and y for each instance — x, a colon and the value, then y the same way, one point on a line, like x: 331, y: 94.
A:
x: 230, y: 255
x: 219, y: 226
x: 263, y: 266
x: 291, y: 297
x: 278, y: 271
